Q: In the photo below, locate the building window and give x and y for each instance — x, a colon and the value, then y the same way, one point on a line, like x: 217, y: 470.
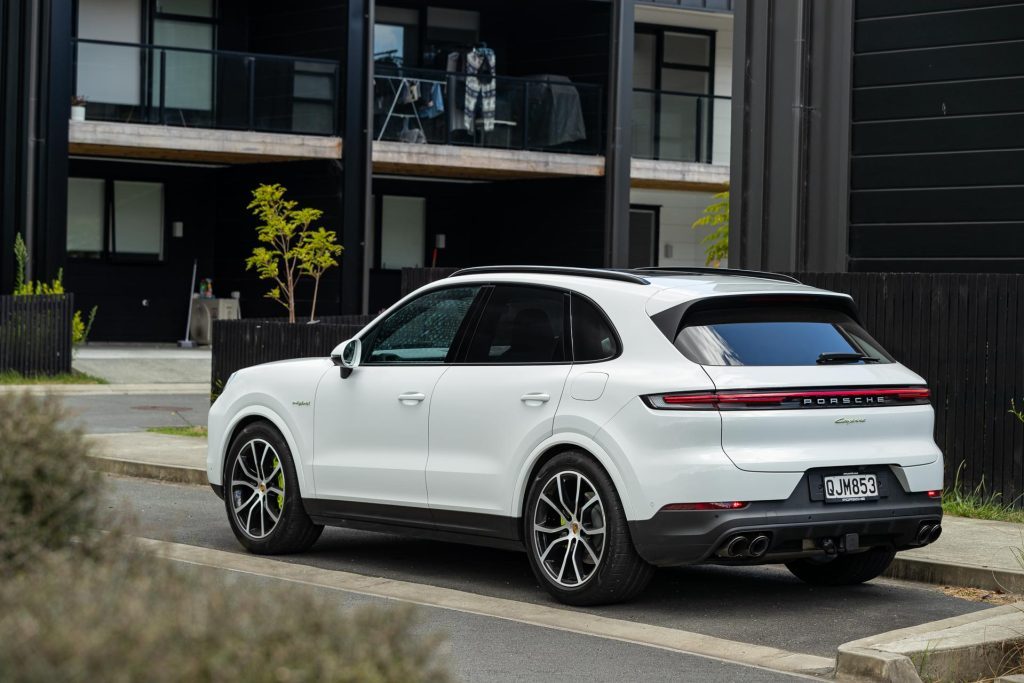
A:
x: 673, y: 80
x: 138, y: 219
x: 643, y: 236
x: 115, y: 219
x: 86, y: 215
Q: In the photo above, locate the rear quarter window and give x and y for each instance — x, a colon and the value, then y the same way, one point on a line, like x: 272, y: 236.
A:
x: 776, y: 335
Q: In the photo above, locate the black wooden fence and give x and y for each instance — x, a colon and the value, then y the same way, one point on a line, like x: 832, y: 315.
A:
x: 241, y: 343
x: 35, y: 334
x: 964, y: 333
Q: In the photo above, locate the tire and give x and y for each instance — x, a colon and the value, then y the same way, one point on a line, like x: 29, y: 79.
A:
x: 843, y: 570
x: 618, y: 573
x: 259, y: 458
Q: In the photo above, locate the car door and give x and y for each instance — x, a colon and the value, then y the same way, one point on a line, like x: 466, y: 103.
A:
x: 370, y: 433
x: 495, y: 405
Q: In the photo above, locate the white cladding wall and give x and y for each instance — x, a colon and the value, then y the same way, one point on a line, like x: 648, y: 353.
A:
x: 678, y: 212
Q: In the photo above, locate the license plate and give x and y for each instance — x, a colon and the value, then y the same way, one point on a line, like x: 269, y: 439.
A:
x: 850, y: 488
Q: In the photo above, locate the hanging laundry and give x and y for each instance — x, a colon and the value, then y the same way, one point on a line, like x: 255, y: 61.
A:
x: 480, y: 86
x: 434, y: 104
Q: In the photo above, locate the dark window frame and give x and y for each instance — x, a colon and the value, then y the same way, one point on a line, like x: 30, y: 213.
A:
x: 460, y: 344
x: 659, y: 31
x: 656, y: 210
x: 607, y: 321
x: 567, y: 349
x: 108, y: 253
x: 368, y: 338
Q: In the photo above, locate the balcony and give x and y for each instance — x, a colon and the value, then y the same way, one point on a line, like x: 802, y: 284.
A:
x: 172, y: 86
x: 541, y: 114
x: 681, y: 127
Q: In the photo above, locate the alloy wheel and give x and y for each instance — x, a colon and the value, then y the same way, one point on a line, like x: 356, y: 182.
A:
x: 257, y: 489
x: 569, y: 529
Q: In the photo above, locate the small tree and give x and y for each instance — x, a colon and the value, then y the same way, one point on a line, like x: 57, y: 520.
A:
x: 293, y: 249
x: 317, y: 252
x: 716, y: 215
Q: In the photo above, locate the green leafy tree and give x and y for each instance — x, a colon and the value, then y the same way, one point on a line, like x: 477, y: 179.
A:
x: 318, y: 251
x: 292, y: 248
x: 716, y: 242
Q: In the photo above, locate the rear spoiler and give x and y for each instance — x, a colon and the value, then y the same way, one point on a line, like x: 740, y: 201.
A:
x: 670, y: 321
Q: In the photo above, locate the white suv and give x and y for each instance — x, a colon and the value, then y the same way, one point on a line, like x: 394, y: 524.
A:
x: 608, y: 421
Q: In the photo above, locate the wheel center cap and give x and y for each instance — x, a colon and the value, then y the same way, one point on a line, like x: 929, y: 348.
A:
x: 263, y: 488
x: 575, y: 529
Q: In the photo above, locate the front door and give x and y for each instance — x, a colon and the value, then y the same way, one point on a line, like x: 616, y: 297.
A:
x: 370, y: 441
x: 496, y: 405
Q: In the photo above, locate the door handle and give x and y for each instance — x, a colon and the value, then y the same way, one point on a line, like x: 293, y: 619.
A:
x: 411, y: 398
x: 535, y: 398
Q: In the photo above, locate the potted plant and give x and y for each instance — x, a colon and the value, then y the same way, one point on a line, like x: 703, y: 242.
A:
x: 78, y: 108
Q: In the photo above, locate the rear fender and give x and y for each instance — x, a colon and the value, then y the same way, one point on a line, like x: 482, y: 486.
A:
x: 620, y: 476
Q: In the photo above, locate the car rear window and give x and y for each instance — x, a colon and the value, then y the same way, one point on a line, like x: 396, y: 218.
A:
x: 776, y: 335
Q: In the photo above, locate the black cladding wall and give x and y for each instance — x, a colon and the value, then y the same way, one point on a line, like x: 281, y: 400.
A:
x: 937, y: 157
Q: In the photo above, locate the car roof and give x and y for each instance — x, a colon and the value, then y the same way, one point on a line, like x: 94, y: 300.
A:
x: 678, y: 285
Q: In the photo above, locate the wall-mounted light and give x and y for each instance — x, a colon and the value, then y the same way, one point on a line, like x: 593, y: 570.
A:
x: 178, y: 229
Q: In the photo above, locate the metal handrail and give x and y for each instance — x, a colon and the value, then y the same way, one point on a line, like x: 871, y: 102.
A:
x: 680, y: 92
x: 411, y: 72
x: 153, y: 92
x: 230, y: 53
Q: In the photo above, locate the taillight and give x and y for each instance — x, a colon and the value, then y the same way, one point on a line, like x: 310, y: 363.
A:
x: 789, y: 398
x: 724, y: 505
x: 935, y: 494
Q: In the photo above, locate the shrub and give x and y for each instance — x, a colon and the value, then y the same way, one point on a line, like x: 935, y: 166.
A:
x: 137, y: 619
x: 84, y: 605
x: 49, y: 496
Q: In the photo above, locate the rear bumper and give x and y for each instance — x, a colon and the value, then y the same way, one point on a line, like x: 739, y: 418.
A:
x: 794, y: 526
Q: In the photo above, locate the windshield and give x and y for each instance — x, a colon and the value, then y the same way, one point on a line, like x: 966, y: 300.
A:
x: 776, y: 335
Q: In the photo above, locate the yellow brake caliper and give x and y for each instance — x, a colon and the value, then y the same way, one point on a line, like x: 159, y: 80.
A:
x: 280, y: 485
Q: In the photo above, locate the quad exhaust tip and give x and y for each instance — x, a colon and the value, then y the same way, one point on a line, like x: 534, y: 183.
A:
x: 736, y: 547
x: 928, y: 533
x: 759, y: 546
x: 741, y: 546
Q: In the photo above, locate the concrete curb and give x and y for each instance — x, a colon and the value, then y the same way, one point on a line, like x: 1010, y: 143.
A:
x: 146, y: 470
x: 968, y: 647
x: 106, y: 389
x: 943, y: 573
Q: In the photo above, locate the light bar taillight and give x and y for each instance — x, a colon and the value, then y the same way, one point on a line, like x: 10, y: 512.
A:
x: 789, y: 398
x: 724, y: 505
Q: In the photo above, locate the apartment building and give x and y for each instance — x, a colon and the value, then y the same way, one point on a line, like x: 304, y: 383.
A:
x: 594, y: 134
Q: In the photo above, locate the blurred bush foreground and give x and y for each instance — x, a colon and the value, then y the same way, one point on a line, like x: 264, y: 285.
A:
x: 84, y: 605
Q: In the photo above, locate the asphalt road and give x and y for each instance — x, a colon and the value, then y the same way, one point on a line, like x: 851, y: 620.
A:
x: 110, y: 413
x: 761, y: 605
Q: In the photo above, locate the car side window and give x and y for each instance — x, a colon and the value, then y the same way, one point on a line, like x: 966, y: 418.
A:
x: 521, y: 325
x: 593, y: 338
x: 423, y: 330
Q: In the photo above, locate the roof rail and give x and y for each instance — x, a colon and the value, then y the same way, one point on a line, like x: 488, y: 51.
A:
x: 668, y: 270
x: 600, y: 273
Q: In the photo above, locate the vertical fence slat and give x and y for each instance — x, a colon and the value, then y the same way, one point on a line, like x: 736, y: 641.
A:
x: 35, y: 334
x: 962, y: 333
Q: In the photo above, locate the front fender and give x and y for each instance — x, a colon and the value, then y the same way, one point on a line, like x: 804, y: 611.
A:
x: 303, y: 466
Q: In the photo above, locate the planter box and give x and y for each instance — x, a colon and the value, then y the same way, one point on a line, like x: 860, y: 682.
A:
x: 241, y: 343
x: 35, y: 334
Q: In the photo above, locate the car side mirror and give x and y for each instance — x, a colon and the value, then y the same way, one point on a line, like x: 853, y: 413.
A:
x: 347, y: 355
